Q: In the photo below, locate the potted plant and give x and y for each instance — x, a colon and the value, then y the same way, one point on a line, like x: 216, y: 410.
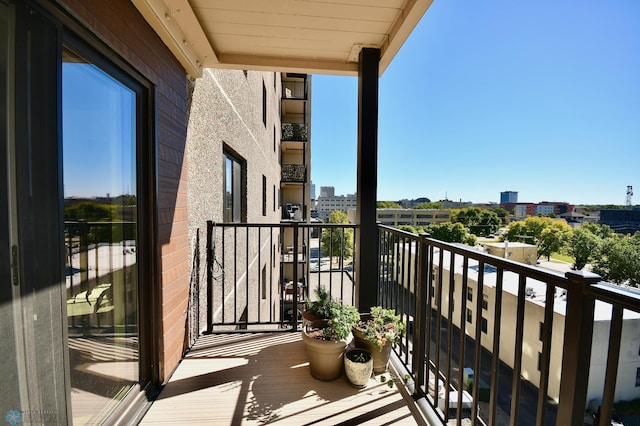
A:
x: 377, y: 331
x: 326, y: 340
x: 358, y: 365
x: 320, y: 307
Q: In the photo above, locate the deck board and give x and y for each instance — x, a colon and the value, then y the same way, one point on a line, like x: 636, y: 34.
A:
x: 252, y: 379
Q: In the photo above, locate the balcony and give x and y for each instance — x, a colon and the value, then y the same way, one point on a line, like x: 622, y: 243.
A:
x: 294, y: 173
x: 295, y: 132
x: 294, y: 89
x: 489, y: 340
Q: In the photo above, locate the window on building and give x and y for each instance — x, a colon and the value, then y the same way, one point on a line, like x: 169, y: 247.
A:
x: 264, y: 195
x: 263, y: 293
x: 541, y: 331
x: 485, y: 301
x: 483, y: 325
x: 540, y: 363
x: 264, y: 103
x: 469, y: 316
x: 232, y: 186
x: 470, y: 294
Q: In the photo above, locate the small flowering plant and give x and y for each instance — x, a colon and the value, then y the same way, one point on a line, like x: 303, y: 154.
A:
x: 382, y: 326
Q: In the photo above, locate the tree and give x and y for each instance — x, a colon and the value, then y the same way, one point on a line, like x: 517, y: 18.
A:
x: 583, y: 246
x: 553, y: 239
x: 89, y: 211
x: 480, y: 222
x: 619, y: 259
x: 388, y: 205
x: 451, y: 233
x: 337, y: 241
x: 503, y: 215
x: 428, y: 205
x: 529, y: 230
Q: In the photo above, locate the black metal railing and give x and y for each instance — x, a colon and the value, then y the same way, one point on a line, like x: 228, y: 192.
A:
x: 101, y: 278
x: 296, y: 173
x: 498, y: 341
x: 259, y: 276
x: 488, y: 339
x: 295, y: 132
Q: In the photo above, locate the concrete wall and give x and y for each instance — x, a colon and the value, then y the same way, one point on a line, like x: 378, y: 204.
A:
x: 226, y: 110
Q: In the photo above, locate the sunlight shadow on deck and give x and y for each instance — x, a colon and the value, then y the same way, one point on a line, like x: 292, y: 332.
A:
x: 265, y: 378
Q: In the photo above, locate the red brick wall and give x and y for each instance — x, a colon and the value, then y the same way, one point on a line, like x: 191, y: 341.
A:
x: 123, y: 29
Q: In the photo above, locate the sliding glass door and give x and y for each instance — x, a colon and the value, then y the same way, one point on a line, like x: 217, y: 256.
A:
x: 101, y: 243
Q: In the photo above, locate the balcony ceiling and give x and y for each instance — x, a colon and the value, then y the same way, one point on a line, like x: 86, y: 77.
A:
x: 307, y: 36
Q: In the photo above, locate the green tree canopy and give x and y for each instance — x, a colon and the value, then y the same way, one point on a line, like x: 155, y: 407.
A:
x: 428, y: 205
x: 528, y: 230
x: 584, y: 246
x: 619, y: 259
x: 553, y: 239
x: 337, y: 241
x: 388, y: 205
x: 451, y: 233
x: 480, y: 222
x: 89, y: 211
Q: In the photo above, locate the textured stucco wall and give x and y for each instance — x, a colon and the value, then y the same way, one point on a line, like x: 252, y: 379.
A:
x: 227, y: 110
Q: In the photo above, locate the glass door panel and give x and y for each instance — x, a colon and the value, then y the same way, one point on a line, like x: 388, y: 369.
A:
x: 100, y: 207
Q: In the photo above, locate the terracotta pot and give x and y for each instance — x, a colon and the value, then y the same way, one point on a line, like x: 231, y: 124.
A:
x: 325, y: 356
x: 357, y: 371
x: 307, y: 317
x: 380, y: 357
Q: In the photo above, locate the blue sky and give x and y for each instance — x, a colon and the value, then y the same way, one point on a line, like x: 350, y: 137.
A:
x: 98, y: 133
x: 539, y: 97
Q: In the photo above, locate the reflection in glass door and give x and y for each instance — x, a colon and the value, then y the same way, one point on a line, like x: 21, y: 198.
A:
x: 100, y: 206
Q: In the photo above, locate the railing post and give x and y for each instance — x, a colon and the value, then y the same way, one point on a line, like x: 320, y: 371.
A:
x: 420, y: 319
x: 576, y: 356
x: 209, y: 267
x: 294, y: 315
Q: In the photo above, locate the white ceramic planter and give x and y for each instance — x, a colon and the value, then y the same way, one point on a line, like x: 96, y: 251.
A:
x: 358, y: 372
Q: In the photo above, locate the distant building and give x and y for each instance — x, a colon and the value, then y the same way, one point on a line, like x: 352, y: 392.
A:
x: 327, y: 191
x: 412, y: 217
x: 522, y: 210
x: 508, y: 197
x: 325, y: 205
x: 625, y: 221
x: 518, y: 252
x: 408, y: 204
x: 574, y: 219
x: 313, y: 191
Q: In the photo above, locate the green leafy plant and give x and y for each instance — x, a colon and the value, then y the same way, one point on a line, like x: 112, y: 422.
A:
x: 322, y: 306
x: 383, y: 326
x: 359, y: 355
x: 343, y: 318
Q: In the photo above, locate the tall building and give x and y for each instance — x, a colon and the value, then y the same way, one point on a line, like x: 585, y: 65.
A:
x: 295, y: 185
x: 327, y: 191
x: 327, y: 204
x: 508, y: 197
x: 313, y: 191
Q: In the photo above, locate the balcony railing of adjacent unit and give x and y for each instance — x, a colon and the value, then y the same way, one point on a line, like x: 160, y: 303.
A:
x: 295, y: 132
x: 296, y: 173
x: 294, y: 89
x: 528, y: 332
x: 254, y: 271
x: 100, y: 260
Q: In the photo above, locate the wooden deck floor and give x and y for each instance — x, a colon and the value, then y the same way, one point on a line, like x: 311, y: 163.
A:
x: 252, y: 379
